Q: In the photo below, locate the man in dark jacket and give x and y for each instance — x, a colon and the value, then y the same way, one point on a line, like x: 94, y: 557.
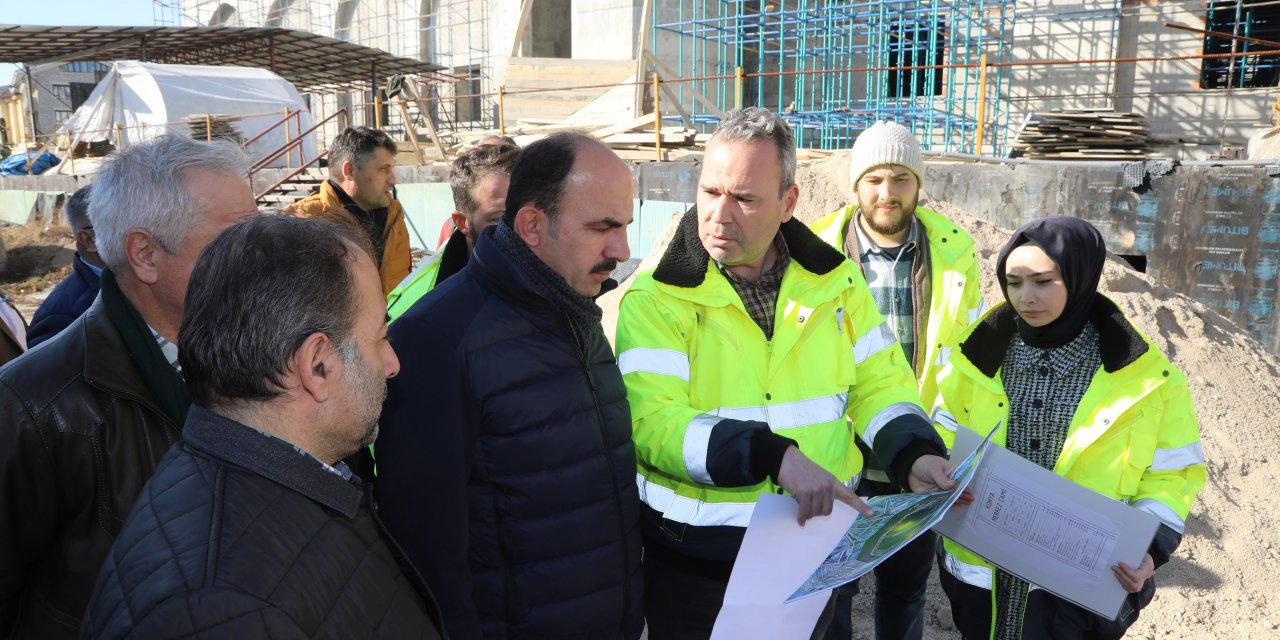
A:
x: 76, y: 292
x: 253, y: 527
x: 85, y: 418
x: 505, y: 466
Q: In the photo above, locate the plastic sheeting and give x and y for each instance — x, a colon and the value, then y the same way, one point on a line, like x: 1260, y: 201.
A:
x: 22, y: 164
x: 147, y: 100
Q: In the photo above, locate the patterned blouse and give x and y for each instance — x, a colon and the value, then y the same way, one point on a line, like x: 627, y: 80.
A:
x: 1044, y: 387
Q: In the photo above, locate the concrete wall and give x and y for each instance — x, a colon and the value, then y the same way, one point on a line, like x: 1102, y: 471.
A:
x: 1167, y: 93
x: 605, y: 29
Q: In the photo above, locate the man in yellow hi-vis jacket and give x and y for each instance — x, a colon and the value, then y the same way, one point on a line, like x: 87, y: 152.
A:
x: 743, y: 352
x: 923, y: 275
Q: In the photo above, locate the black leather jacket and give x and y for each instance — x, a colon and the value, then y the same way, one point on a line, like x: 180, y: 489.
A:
x: 80, y: 434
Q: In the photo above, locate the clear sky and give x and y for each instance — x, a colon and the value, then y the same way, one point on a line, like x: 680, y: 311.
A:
x: 75, y: 13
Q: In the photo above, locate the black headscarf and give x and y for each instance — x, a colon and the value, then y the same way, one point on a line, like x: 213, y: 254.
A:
x: 1079, y: 251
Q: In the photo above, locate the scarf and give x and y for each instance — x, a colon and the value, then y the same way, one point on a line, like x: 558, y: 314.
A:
x: 167, y: 387
x: 582, y: 312
x: 1079, y: 251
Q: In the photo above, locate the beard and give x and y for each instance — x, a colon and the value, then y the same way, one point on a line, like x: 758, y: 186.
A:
x: 890, y: 225
x: 369, y: 390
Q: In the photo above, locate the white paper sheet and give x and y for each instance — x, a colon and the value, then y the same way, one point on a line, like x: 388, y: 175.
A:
x: 1048, y: 530
x: 777, y: 555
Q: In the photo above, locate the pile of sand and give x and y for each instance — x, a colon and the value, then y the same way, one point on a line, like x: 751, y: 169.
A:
x: 1224, y: 582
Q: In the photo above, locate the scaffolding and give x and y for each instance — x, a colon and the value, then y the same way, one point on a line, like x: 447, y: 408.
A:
x: 834, y: 67
x: 452, y: 33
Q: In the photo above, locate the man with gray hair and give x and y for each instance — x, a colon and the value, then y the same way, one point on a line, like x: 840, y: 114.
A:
x: 751, y: 354
x: 274, y: 411
x: 85, y: 419
x: 74, y: 294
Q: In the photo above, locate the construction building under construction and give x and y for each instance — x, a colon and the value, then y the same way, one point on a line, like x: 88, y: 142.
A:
x: 966, y: 75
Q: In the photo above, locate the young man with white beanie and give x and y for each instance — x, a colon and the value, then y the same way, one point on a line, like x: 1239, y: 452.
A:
x: 923, y: 275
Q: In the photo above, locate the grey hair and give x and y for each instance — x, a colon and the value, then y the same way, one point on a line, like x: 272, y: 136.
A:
x: 754, y: 124
x: 144, y: 187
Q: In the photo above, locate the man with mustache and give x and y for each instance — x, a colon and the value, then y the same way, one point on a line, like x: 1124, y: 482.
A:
x: 923, y: 275
x: 252, y: 526
x: 505, y: 466
x: 362, y: 174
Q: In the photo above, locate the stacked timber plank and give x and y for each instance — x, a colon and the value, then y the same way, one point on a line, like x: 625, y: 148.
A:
x: 222, y: 128
x: 1082, y: 134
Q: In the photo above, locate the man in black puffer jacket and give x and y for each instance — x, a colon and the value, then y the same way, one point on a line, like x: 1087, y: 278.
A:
x: 252, y: 527
x: 505, y: 465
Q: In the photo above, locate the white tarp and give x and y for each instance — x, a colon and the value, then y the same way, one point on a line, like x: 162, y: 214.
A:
x: 147, y: 99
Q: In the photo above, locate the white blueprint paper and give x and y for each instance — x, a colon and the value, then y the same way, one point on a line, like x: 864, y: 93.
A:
x: 1048, y: 530
x: 777, y: 555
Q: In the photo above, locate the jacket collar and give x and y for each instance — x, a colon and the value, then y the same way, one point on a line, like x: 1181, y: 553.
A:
x: 86, y: 270
x: 453, y: 257
x: 107, y: 364
x: 1119, y: 343
x: 273, y: 459
x: 685, y: 263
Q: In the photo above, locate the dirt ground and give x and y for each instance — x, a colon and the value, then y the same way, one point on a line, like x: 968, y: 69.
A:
x: 1224, y: 581
x: 36, y: 258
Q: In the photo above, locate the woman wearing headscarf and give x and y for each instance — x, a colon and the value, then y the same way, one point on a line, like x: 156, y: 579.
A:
x: 1080, y: 391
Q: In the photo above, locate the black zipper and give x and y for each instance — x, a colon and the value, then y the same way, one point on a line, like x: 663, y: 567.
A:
x: 613, y: 477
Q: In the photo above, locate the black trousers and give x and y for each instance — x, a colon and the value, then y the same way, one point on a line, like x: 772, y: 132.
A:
x: 1046, y: 617
x: 683, y: 596
x: 901, y: 582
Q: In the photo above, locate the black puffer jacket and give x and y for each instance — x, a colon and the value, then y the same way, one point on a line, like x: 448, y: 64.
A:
x: 505, y: 462
x: 238, y: 535
x: 80, y: 433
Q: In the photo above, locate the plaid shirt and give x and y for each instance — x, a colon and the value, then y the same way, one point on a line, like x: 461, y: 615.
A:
x: 761, y: 297
x: 888, y: 273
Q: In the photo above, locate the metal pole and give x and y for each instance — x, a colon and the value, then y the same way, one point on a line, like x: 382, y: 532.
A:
x: 738, y: 79
x: 502, y: 109
x: 982, y: 100
x: 288, y: 139
x: 657, y: 118
x: 31, y: 109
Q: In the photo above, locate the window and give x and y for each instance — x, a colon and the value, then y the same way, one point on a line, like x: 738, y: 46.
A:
x: 468, y: 104
x: 63, y: 92
x: 84, y: 67
x: 1260, y: 21
x: 909, y: 47
x: 61, y: 115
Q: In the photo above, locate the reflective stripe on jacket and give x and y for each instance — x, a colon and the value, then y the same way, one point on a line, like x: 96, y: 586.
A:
x: 955, y: 292
x: 1134, y: 435
x: 702, y: 378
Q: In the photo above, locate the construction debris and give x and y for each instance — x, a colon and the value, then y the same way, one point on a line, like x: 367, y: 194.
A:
x: 1082, y: 134
x: 210, y: 127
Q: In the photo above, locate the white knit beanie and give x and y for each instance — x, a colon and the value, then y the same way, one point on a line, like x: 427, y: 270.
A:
x: 885, y: 142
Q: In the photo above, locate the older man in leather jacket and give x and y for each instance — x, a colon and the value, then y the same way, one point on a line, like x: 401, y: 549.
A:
x: 85, y: 418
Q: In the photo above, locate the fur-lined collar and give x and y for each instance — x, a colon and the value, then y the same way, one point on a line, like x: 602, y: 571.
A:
x: 684, y: 264
x: 1119, y: 343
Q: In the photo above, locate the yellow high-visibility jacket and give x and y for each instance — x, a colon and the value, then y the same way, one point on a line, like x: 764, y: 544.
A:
x: 703, y: 383
x: 450, y: 259
x: 1133, y: 437
x: 948, y: 276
